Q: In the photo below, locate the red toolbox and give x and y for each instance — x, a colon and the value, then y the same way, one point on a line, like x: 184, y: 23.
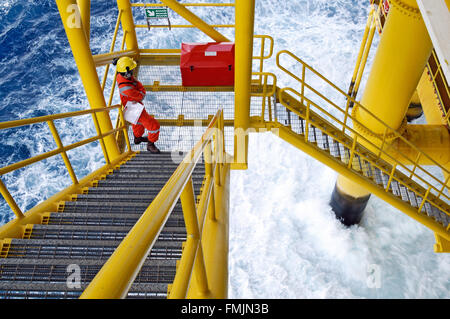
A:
x: 207, y: 64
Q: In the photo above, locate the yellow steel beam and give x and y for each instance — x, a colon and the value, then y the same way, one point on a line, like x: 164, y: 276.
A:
x: 396, y: 72
x: 433, y: 140
x: 10, y: 200
x: 430, y: 103
x: 195, y: 20
x: 244, y: 16
x: 215, y: 243
x: 89, y: 77
x: 106, y: 58
x: 181, y: 285
x: 45, y: 118
x: 128, y: 24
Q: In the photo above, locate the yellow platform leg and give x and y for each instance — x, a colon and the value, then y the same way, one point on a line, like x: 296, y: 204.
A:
x: 402, y: 54
x: 243, y: 73
x: 71, y: 18
x: 128, y: 24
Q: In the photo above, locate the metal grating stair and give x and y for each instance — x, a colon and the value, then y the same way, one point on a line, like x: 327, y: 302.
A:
x: 88, y: 229
x: 323, y: 142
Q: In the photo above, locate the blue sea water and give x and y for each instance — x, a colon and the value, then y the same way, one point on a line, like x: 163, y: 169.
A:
x: 297, y: 249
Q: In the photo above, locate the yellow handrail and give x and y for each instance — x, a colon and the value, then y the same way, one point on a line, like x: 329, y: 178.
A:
x: 441, y: 77
x: 61, y: 149
x: 441, y: 89
x: 395, y: 134
x: 361, y: 153
x: 118, y: 273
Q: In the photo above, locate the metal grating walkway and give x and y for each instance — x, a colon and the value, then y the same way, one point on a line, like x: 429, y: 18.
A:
x: 89, y: 229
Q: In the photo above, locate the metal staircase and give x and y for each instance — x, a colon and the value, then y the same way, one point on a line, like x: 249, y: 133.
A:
x: 326, y: 127
x: 342, y: 154
x: 86, y: 231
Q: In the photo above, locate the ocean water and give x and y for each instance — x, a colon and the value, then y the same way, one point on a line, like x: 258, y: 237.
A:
x: 284, y: 239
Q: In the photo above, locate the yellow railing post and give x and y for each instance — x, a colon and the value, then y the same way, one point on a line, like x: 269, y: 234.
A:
x: 86, y: 66
x: 60, y: 146
x: 193, y: 233
x: 244, y: 17
x: 10, y: 200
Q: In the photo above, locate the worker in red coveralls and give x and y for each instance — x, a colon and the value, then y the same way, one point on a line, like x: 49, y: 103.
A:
x: 132, y: 94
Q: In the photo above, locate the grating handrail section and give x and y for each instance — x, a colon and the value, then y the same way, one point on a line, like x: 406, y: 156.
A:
x: 61, y: 149
x: 117, y: 275
x: 329, y: 127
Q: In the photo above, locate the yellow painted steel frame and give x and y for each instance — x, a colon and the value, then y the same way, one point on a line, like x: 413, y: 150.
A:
x: 86, y: 66
x: 118, y: 273
x: 432, y: 75
x: 362, y: 55
x: 396, y: 202
x: 244, y: 17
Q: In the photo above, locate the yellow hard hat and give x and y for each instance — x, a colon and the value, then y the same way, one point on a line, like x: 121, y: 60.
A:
x: 125, y: 62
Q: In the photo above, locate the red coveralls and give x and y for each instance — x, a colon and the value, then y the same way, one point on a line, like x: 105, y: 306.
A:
x: 133, y: 90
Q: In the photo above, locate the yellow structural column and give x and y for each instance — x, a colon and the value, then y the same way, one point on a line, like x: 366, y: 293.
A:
x: 128, y: 24
x: 402, y: 53
x: 71, y: 18
x: 244, y: 17
x: 85, y: 11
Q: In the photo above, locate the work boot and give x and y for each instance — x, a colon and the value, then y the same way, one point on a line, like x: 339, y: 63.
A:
x: 139, y: 140
x: 152, y: 148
